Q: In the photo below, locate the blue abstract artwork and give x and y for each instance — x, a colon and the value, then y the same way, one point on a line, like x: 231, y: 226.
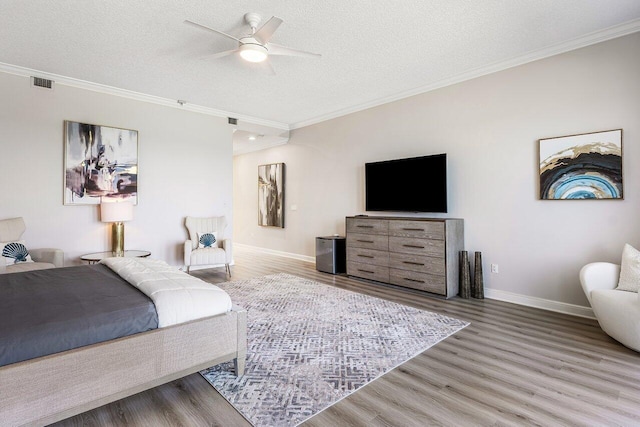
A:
x: 586, y: 166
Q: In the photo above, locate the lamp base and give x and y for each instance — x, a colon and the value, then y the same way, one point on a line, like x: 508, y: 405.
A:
x: 117, y: 239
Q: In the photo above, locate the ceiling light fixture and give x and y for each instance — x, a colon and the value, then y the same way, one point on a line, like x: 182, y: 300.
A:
x: 252, y: 138
x: 253, y: 52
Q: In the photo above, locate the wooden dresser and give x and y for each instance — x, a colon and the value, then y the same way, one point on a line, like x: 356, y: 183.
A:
x: 417, y: 253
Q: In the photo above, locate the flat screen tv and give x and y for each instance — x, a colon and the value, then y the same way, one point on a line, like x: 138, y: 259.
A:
x: 417, y: 184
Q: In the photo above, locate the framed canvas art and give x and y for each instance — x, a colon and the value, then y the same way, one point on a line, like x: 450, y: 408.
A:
x: 271, y: 195
x: 99, y: 161
x: 585, y: 166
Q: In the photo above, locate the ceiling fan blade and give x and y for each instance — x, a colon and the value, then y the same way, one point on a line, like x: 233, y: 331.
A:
x: 204, y: 27
x: 224, y: 53
x: 276, y: 49
x: 265, y: 32
x: 271, y: 67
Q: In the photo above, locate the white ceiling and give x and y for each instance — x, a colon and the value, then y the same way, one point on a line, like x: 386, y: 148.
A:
x: 372, y: 51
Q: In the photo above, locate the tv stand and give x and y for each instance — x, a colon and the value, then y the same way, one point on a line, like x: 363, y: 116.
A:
x: 416, y: 253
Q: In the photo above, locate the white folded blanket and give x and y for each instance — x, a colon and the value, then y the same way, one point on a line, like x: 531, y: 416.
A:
x: 177, y: 296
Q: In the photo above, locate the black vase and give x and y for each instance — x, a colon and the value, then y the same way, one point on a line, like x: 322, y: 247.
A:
x: 478, y: 283
x: 465, y: 275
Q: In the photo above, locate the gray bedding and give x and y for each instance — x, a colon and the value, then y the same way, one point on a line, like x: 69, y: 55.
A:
x: 49, y: 311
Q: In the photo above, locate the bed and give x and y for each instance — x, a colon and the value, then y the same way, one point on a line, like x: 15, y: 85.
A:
x: 46, y: 388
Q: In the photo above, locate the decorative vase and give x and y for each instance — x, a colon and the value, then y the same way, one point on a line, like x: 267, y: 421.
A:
x: 478, y: 282
x: 465, y: 275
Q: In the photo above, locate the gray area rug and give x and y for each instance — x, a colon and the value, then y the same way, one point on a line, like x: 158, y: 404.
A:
x: 310, y: 345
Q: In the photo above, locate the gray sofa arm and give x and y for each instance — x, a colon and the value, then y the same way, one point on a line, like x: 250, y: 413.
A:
x: 50, y: 255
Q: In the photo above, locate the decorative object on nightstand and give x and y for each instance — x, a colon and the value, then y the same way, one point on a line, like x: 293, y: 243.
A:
x: 117, y: 213
x: 477, y: 290
x: 465, y: 275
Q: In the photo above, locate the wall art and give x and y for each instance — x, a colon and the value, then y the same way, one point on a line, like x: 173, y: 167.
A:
x: 271, y: 195
x: 99, y: 161
x: 585, y: 166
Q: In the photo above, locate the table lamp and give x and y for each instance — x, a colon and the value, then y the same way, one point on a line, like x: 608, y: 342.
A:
x: 117, y: 213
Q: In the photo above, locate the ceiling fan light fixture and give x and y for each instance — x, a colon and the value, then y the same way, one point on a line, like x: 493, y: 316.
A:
x: 253, y: 52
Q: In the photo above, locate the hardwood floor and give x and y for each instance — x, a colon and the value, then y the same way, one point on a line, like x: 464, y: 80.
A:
x: 513, y: 365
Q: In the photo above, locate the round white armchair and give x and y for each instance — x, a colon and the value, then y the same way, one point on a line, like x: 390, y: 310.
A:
x: 618, y: 312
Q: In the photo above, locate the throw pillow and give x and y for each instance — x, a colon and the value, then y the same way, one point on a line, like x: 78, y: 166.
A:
x: 14, y: 252
x: 629, y: 269
x: 207, y: 240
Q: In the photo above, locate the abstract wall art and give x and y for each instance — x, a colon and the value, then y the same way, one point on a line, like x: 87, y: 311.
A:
x: 99, y: 161
x: 271, y: 195
x: 585, y: 166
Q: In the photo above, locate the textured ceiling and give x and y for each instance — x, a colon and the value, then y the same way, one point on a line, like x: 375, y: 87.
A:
x: 371, y: 50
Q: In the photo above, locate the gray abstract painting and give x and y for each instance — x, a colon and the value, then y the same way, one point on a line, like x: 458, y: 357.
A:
x: 271, y: 195
x: 100, y: 161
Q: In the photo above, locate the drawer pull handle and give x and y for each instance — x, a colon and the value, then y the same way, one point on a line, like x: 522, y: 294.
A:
x: 413, y: 246
x: 413, y: 229
x: 413, y: 280
x: 365, y: 256
x: 365, y: 241
x: 366, y: 271
x: 365, y: 226
x: 412, y: 263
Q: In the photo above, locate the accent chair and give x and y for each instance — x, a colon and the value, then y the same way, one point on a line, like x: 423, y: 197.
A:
x: 206, y: 247
x: 11, y: 231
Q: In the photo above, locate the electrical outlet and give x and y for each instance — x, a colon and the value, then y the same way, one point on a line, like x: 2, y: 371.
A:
x: 494, y: 268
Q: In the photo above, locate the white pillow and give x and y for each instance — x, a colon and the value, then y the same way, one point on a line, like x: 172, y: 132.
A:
x: 208, y: 240
x: 629, y: 269
x: 14, y: 252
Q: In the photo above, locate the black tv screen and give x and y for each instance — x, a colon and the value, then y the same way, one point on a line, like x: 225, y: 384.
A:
x: 417, y: 184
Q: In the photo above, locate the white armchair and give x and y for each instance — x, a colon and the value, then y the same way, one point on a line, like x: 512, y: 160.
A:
x: 618, y: 312
x: 11, y: 230
x: 207, y: 257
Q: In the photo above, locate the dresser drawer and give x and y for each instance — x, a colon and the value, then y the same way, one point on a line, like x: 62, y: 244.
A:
x: 367, y: 226
x: 412, y: 245
x: 421, y: 281
x: 368, y: 241
x: 420, y: 229
x: 419, y: 263
x: 368, y: 271
x: 368, y: 256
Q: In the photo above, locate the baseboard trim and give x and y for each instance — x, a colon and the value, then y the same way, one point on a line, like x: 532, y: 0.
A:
x: 545, y: 304
x: 526, y: 300
x: 251, y: 248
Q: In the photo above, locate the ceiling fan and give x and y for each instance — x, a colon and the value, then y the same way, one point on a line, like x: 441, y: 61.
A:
x: 255, y: 47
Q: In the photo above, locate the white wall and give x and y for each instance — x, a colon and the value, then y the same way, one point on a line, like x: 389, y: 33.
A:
x: 489, y: 127
x: 184, y: 158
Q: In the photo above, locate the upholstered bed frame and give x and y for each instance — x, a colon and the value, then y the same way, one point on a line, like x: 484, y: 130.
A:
x: 51, y: 388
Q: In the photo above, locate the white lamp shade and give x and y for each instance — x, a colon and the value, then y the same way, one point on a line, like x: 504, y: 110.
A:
x: 116, y: 211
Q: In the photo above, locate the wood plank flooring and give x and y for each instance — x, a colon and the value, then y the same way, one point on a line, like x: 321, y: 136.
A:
x: 513, y: 365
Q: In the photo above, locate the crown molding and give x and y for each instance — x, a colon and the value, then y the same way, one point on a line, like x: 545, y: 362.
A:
x: 577, y: 43
x: 124, y: 93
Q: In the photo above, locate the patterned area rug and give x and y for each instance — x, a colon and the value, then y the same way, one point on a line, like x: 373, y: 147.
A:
x: 311, y: 345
